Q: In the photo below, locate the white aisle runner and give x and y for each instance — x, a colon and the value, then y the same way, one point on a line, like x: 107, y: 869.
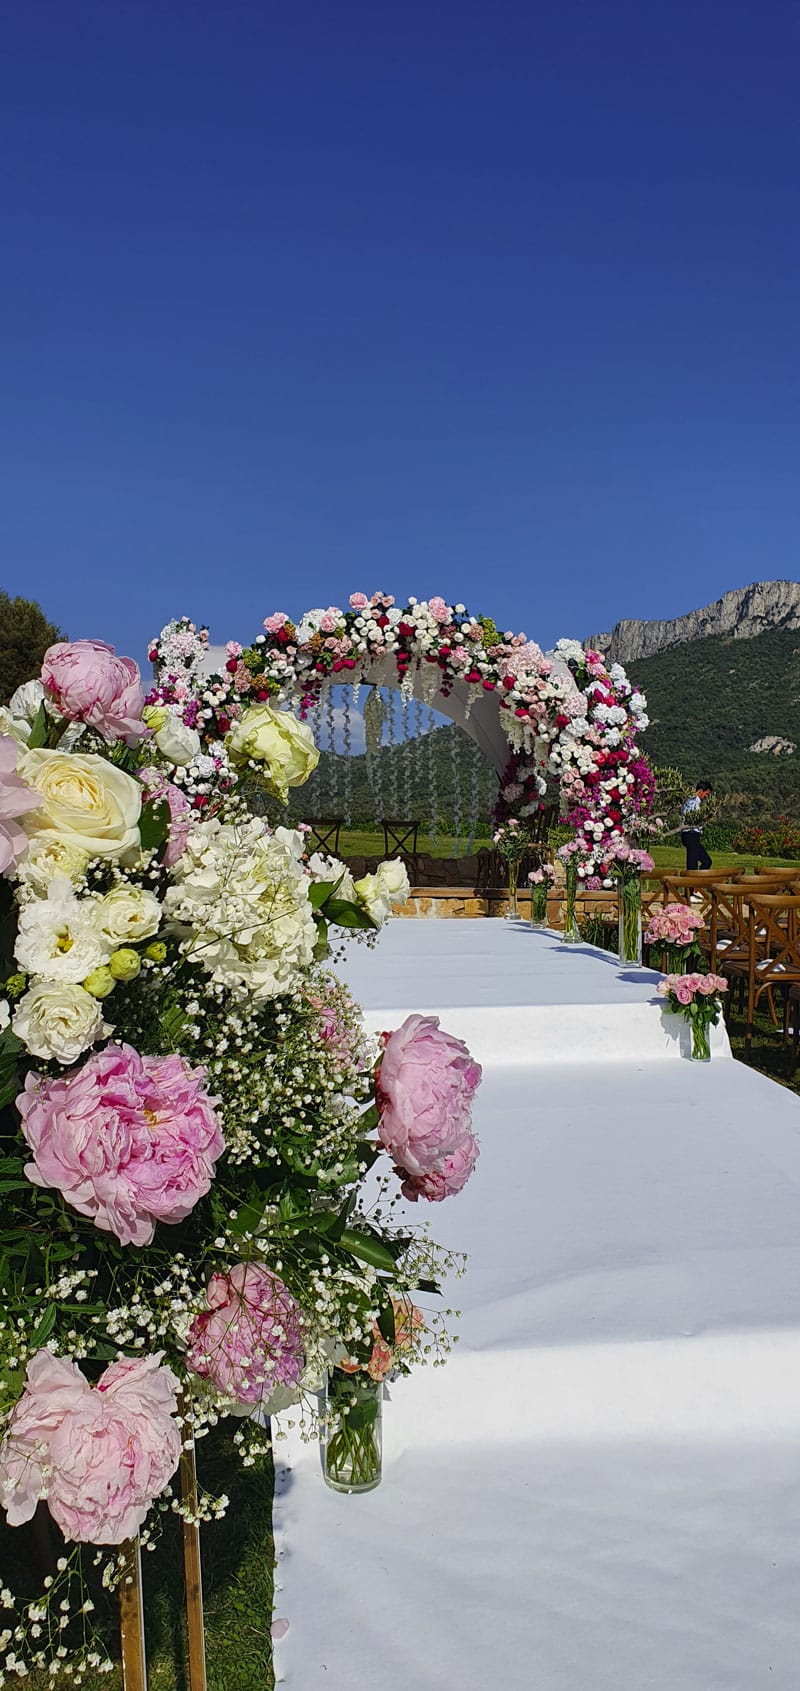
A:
x: 602, y: 1488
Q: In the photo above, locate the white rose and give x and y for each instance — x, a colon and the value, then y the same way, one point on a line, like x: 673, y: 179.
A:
x: 127, y: 914
x: 47, y: 857
x: 177, y: 742
x: 57, y: 1020
x: 58, y: 937
x: 373, y: 896
x: 393, y: 876
x: 86, y: 801
x: 16, y: 726
x: 332, y: 869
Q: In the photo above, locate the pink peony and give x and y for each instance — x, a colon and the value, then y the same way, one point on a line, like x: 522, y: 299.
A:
x: 358, y: 601
x: 426, y: 1084
x: 276, y: 622
x: 15, y: 800
x: 127, y: 1140
x: 100, y: 1454
x: 87, y: 682
x: 250, y: 1338
x: 438, y: 609
x: 180, y: 812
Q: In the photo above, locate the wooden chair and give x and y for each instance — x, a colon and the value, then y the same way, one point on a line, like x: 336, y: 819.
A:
x: 400, y: 840
x: 324, y: 835
x: 774, y: 952
x: 725, y: 938
x: 791, y: 1010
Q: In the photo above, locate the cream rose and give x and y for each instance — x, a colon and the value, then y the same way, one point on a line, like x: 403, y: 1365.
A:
x: 86, y: 801
x: 178, y: 743
x: 374, y: 897
x: 58, y: 1020
x: 393, y: 877
x: 276, y: 739
x: 127, y: 914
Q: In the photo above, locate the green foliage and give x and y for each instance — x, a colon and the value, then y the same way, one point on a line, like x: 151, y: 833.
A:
x: 25, y: 634
x: 710, y: 700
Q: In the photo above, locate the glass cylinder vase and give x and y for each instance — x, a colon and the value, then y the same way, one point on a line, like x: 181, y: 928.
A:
x: 630, y: 919
x: 512, y: 908
x: 539, y: 905
x: 351, y: 1432
x: 701, y: 1041
x: 572, y: 933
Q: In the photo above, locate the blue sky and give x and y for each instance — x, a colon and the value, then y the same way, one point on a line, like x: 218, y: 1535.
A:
x: 495, y: 300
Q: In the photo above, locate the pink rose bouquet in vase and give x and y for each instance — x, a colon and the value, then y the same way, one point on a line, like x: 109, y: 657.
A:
x: 697, y: 998
x: 672, y: 933
x: 512, y: 839
x: 627, y: 866
x: 540, y: 881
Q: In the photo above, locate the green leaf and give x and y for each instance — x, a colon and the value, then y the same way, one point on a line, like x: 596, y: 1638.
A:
x: 347, y: 915
x: 44, y: 1327
x: 369, y: 1247
x: 38, y: 733
x: 15, y: 1185
x: 154, y: 824
x: 386, y: 1322
x: 319, y: 891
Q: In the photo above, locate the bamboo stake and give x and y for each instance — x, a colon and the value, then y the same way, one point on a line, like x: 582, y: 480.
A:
x: 131, y: 1619
x: 193, y: 1576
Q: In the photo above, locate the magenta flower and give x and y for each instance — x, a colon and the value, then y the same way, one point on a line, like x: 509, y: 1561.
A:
x: 100, y: 1454
x: 127, y: 1140
x: 87, y: 682
x: 426, y: 1083
x: 250, y: 1339
x: 15, y: 800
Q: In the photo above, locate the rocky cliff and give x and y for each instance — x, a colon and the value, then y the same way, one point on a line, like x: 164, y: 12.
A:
x: 744, y: 612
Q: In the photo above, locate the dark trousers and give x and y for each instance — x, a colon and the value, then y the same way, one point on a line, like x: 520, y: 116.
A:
x: 696, y: 855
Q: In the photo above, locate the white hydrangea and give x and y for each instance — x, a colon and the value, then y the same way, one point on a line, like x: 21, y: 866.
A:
x: 240, y: 899
x: 332, y: 869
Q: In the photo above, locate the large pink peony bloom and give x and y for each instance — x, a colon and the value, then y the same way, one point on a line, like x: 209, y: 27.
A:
x: 250, y: 1338
x: 87, y: 682
x: 99, y: 1454
x: 127, y: 1140
x: 15, y: 800
x: 426, y: 1084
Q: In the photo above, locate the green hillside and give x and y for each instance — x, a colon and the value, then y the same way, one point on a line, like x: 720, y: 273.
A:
x: 709, y: 700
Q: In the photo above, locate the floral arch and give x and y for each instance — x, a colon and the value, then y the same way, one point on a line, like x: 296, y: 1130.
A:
x: 565, y: 717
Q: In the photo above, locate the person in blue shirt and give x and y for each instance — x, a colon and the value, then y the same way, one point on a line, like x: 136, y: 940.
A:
x: 692, y: 832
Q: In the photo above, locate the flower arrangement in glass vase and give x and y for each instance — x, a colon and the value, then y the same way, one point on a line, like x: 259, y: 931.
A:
x: 626, y: 866
x: 697, y: 998
x: 540, y: 881
x: 672, y: 933
x: 188, y: 1116
x: 512, y: 839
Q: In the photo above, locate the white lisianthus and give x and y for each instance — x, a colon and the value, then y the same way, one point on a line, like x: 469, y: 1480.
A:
x: 240, y: 899
x: 86, y: 801
x: 276, y: 739
x: 48, y: 856
x: 373, y: 896
x: 58, y: 1020
x: 393, y: 875
x: 58, y: 936
x: 332, y: 869
x: 176, y: 741
x: 127, y: 914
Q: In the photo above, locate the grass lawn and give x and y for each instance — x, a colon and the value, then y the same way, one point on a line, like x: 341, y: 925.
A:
x: 364, y: 843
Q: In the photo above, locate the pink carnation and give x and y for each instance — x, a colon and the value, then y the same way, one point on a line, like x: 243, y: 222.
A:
x: 358, y: 601
x: 87, y: 682
x: 15, y: 800
x: 100, y: 1454
x: 127, y: 1140
x: 439, y: 609
x: 426, y: 1084
x: 249, y: 1340
x: 330, y: 620
x: 180, y: 812
x: 276, y: 622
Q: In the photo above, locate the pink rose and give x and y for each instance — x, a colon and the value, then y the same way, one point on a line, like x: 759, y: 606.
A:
x: 684, y: 991
x: 249, y: 1340
x: 330, y: 620
x: 99, y: 1454
x: 180, y: 812
x: 15, y: 800
x: 426, y: 1084
x: 87, y: 682
x: 439, y: 609
x: 358, y: 601
x: 127, y: 1140
x: 276, y: 622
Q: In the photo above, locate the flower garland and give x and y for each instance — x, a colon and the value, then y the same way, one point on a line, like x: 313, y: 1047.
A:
x: 189, y: 1105
x: 567, y: 716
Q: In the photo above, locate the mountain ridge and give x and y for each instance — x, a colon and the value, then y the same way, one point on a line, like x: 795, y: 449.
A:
x: 741, y: 614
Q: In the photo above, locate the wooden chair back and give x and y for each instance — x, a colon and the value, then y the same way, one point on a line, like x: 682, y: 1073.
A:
x: 774, y: 950
x: 324, y: 834
x: 400, y: 840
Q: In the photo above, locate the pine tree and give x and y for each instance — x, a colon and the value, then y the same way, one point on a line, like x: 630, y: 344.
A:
x: 25, y: 634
